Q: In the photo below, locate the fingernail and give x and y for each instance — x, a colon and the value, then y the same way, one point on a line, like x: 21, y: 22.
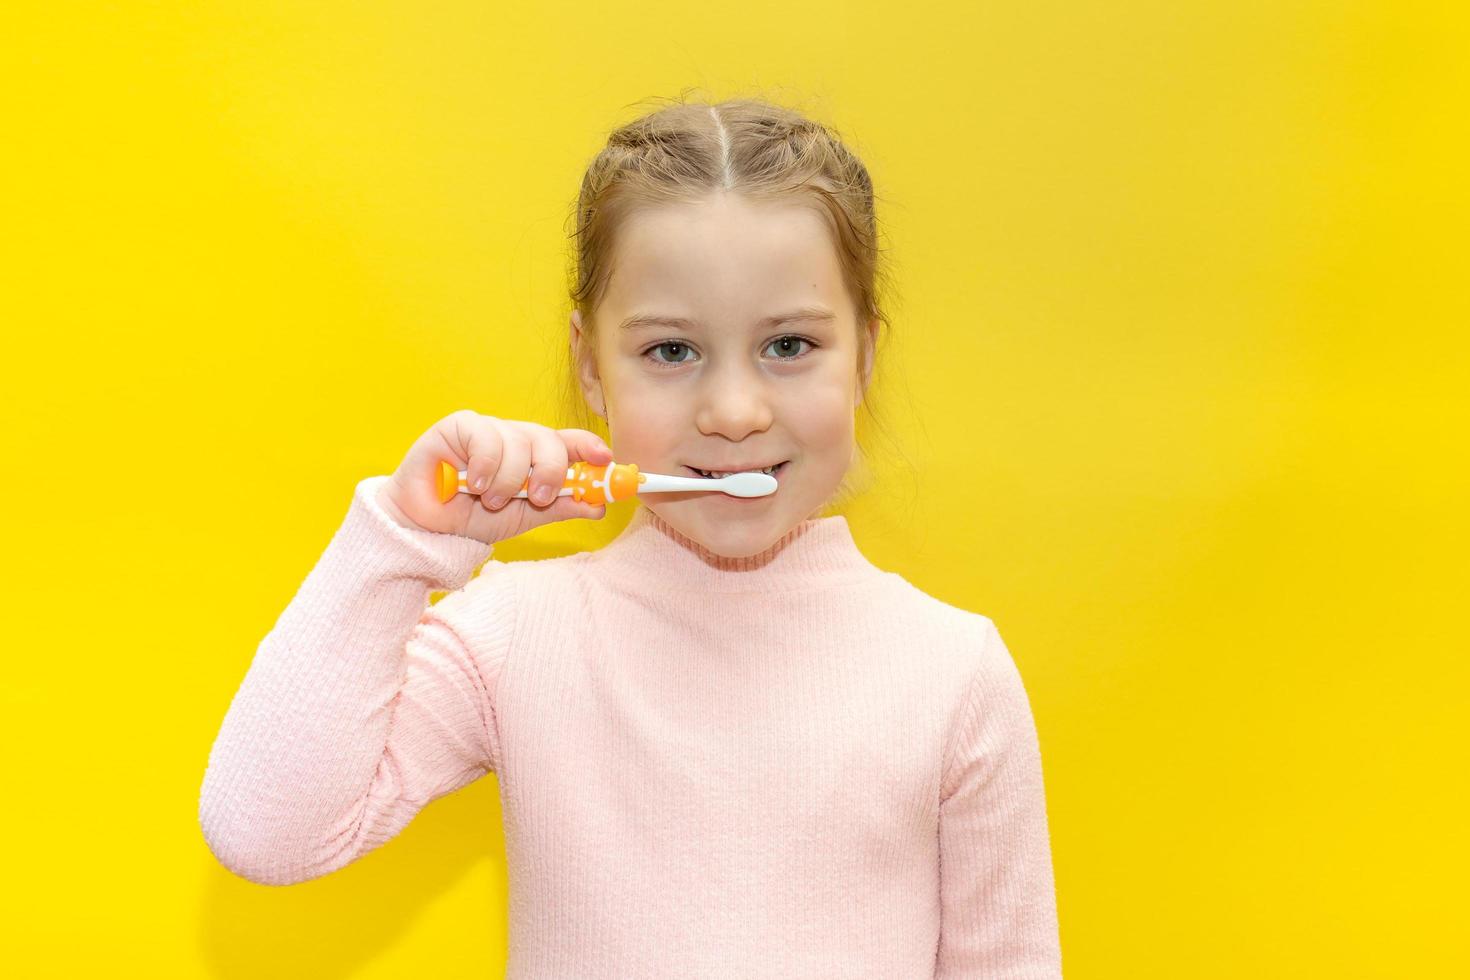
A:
x: 543, y: 494
x: 497, y: 502
x: 479, y: 484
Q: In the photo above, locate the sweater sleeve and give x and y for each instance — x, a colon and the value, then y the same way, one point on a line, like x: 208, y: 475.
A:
x: 362, y: 704
x: 998, y: 901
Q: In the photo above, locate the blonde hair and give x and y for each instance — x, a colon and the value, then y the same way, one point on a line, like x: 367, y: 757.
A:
x: 688, y: 150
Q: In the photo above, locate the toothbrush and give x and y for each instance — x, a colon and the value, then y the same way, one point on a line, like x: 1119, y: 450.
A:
x: 612, y: 482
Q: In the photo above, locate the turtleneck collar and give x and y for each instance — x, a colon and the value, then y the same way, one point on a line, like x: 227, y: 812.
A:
x: 818, y: 552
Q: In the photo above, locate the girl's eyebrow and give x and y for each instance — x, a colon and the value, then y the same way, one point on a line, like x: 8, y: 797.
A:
x: 655, y: 320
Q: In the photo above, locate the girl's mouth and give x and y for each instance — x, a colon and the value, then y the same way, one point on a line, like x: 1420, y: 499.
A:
x: 773, y: 471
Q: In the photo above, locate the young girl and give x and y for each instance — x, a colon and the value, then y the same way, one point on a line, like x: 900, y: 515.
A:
x: 726, y: 743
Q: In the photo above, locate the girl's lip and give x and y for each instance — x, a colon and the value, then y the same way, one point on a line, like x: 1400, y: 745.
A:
x: 780, y: 468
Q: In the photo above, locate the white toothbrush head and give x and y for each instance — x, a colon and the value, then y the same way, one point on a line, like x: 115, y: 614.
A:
x: 735, y: 484
x: 747, y: 484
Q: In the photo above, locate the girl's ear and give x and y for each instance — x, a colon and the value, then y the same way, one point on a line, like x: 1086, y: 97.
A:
x: 869, y: 341
x: 585, y: 360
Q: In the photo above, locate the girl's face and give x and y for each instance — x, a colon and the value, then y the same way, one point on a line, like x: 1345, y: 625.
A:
x: 727, y: 341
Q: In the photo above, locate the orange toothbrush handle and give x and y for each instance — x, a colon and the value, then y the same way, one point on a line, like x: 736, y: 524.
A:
x: 593, y: 484
x: 588, y: 482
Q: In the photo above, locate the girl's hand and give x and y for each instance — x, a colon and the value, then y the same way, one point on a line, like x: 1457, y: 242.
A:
x: 502, y: 453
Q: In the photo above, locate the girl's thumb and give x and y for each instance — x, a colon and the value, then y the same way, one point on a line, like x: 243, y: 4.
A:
x: 569, y: 508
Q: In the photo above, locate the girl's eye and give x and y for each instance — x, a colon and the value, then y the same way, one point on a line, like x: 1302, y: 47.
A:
x: 676, y: 345
x: 786, y: 343
x: 789, y: 342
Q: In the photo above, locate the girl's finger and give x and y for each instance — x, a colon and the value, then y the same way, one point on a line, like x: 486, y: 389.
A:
x: 548, y: 465
x: 484, y: 448
x: 515, y: 463
x: 585, y: 445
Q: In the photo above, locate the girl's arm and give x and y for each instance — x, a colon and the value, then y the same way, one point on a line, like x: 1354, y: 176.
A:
x: 363, y: 703
x: 999, y: 915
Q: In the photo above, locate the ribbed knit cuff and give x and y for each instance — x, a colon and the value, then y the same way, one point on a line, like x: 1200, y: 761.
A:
x: 445, y: 562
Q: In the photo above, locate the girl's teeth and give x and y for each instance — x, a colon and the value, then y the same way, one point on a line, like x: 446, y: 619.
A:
x: 715, y: 476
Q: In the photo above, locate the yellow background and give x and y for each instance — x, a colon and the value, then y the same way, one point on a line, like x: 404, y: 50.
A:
x: 1179, y: 332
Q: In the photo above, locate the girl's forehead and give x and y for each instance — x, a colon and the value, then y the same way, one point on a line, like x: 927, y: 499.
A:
x: 673, y: 263
x: 724, y: 219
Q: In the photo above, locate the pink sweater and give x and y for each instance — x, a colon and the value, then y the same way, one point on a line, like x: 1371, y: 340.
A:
x: 790, y: 765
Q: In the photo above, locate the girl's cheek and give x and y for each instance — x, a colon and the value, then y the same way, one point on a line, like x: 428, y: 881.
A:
x: 830, y: 414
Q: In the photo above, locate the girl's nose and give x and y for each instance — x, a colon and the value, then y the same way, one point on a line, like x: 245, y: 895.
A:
x: 734, y: 408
